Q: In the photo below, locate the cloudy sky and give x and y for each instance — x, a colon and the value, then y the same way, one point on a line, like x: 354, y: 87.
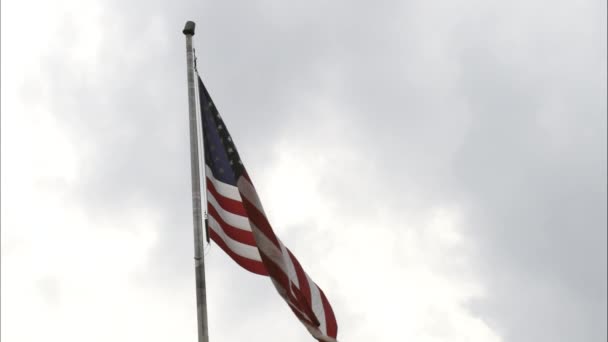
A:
x: 438, y: 167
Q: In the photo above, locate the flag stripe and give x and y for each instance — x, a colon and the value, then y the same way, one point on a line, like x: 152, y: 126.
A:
x: 236, y: 234
x: 303, y: 281
x: 330, y: 319
x: 229, y: 204
x: 304, y: 306
x: 257, y: 218
x: 234, y: 220
x: 268, y: 249
x: 247, y: 190
x: 248, y: 264
x: 224, y: 189
x: 291, y: 271
x: 301, y: 315
x: 246, y: 251
x: 317, y: 305
x: 279, y: 278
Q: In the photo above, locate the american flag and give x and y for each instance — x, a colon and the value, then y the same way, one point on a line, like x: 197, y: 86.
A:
x: 237, y: 223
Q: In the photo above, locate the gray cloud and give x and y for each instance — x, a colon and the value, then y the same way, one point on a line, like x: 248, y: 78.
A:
x: 498, y: 109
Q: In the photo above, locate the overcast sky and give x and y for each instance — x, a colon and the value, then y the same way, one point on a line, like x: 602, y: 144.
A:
x: 438, y: 167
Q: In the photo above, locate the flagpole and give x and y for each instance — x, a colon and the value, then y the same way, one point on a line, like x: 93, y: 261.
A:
x: 199, y: 258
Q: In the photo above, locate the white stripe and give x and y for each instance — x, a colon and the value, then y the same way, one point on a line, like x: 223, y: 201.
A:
x: 291, y: 270
x: 283, y: 293
x: 317, y: 305
x: 268, y: 248
x: 278, y: 256
x: 234, y: 220
x: 248, y: 191
x: 222, y: 188
x: 302, y: 313
x: 246, y: 251
x: 316, y: 333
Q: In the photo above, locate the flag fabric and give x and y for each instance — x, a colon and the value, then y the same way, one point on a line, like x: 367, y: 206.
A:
x: 238, y: 224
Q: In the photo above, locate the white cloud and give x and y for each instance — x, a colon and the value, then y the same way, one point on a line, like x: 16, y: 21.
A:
x: 396, y: 266
x: 65, y: 276
x: 390, y: 275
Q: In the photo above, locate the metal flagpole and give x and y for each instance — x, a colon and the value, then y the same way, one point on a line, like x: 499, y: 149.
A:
x: 199, y: 261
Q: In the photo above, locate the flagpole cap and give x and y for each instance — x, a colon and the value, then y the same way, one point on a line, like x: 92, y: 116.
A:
x: 189, y: 28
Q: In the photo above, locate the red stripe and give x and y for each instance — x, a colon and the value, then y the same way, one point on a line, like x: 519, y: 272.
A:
x: 330, y: 319
x: 302, y: 280
x: 228, y: 204
x: 280, y: 277
x: 301, y: 317
x: 304, y: 290
x: 304, y: 306
x: 276, y: 273
x: 248, y: 264
x: 234, y: 233
x: 260, y: 221
x: 246, y: 175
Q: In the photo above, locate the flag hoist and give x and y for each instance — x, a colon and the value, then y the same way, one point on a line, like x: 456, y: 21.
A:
x: 237, y: 222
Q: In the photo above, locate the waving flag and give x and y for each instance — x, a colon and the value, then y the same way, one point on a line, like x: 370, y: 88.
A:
x: 237, y: 223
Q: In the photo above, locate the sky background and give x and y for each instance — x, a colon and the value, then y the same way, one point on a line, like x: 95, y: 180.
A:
x: 438, y: 167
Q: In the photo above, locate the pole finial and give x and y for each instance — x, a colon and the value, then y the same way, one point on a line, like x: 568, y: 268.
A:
x: 189, y: 28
